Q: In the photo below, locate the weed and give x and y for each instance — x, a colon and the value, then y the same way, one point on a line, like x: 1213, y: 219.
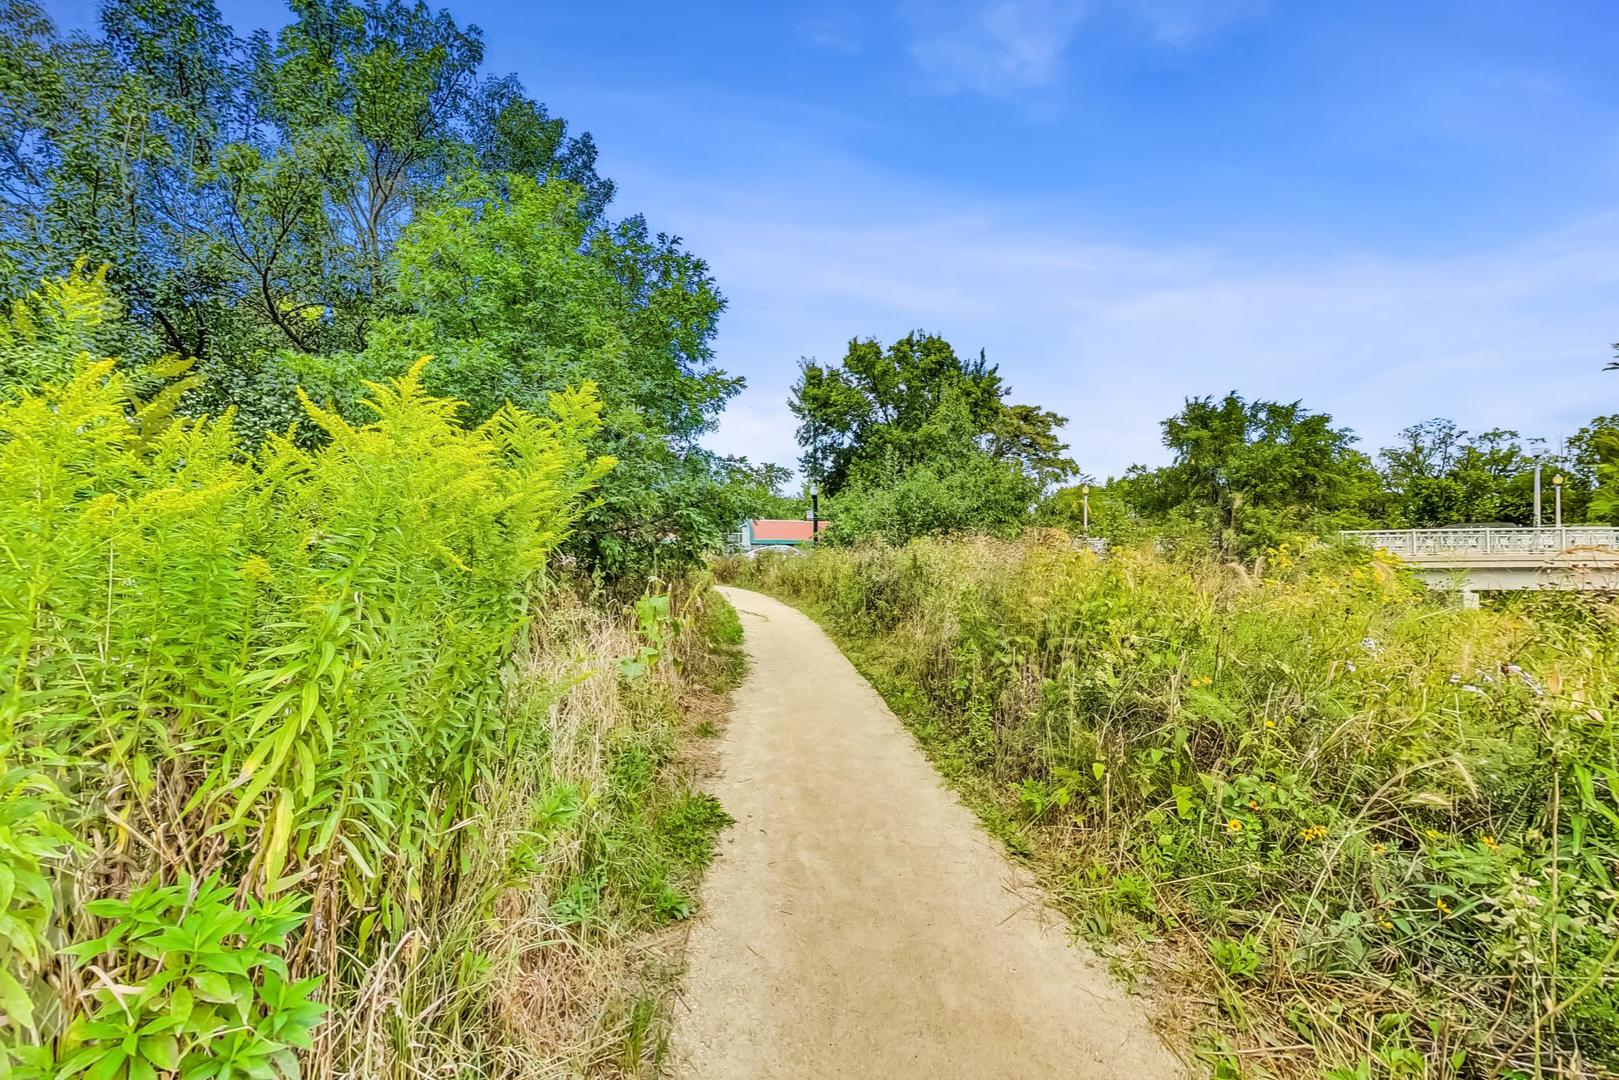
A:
x: 1375, y: 829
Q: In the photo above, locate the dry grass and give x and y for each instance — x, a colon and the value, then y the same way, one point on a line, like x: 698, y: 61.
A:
x: 1337, y: 827
x: 553, y: 996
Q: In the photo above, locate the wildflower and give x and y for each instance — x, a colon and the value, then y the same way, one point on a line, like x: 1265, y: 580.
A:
x: 1234, y: 825
x: 1371, y: 645
x: 1313, y: 833
x: 255, y: 568
x: 1350, y: 664
x: 1444, y: 908
x: 1489, y: 842
x: 1253, y: 804
x: 1385, y: 924
x: 1434, y: 834
x: 1270, y: 725
x: 1378, y: 849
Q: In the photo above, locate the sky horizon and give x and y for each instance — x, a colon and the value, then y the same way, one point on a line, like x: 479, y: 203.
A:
x: 1389, y: 214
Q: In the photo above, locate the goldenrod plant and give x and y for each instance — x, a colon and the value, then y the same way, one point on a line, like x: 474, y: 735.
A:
x: 293, y: 774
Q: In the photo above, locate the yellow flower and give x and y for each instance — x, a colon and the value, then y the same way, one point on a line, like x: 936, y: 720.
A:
x: 1378, y: 849
x: 1313, y: 833
x: 1253, y: 804
x: 1385, y: 924
x: 1489, y: 842
x: 1434, y: 834
x: 1270, y: 725
x: 1444, y: 908
x: 255, y: 568
x: 1234, y: 825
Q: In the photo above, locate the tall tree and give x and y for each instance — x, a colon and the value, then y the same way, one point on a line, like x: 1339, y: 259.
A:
x: 1255, y: 471
x: 328, y: 202
x: 518, y: 296
x: 879, y: 405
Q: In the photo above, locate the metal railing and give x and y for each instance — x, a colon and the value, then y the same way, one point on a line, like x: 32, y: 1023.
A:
x: 1547, y: 540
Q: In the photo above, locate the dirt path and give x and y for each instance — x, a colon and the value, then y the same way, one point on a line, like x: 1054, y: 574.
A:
x: 858, y: 922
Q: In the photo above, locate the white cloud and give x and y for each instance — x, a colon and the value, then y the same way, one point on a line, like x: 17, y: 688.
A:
x: 834, y: 32
x: 1114, y: 337
x: 1004, y: 48
x: 1181, y: 22
x: 995, y: 48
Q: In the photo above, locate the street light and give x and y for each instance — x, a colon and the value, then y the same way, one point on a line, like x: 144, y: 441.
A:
x: 1557, y: 492
x: 1537, y: 494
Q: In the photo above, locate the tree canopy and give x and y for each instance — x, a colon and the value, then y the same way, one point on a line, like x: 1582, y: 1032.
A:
x: 326, y: 204
x: 913, y: 439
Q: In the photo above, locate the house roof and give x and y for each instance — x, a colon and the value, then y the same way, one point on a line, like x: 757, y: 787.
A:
x: 784, y: 530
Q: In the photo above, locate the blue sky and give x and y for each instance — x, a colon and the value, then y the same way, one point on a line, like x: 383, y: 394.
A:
x: 1391, y: 211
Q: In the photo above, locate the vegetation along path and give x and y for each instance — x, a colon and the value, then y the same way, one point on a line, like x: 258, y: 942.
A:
x: 858, y: 921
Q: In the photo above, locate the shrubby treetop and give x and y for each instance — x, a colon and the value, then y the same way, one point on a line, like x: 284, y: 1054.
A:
x: 328, y: 202
x: 914, y: 439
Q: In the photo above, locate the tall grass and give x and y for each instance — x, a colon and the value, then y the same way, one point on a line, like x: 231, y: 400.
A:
x: 1359, y: 831
x: 295, y: 774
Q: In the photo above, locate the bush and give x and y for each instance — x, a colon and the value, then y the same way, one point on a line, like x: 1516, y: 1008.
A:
x: 274, y: 741
x: 1343, y: 805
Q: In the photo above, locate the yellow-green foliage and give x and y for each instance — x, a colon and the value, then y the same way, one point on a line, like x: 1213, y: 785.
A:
x: 1384, y: 831
x: 247, y: 700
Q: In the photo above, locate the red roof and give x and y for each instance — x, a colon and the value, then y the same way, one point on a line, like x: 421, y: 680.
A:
x: 791, y: 530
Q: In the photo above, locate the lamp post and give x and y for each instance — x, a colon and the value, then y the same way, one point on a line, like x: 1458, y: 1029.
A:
x: 1557, y: 494
x: 1537, y: 494
x: 1085, y: 509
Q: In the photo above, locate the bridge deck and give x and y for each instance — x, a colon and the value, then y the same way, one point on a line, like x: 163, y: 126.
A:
x: 1493, y: 560
x: 1490, y: 545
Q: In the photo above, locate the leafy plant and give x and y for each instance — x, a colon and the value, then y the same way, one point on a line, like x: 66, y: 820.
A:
x: 1352, y: 807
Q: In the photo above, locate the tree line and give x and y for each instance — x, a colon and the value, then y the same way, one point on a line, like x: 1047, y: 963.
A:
x: 915, y: 438
x: 321, y: 206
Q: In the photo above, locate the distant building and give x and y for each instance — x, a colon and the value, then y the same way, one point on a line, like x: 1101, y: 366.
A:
x: 764, y: 533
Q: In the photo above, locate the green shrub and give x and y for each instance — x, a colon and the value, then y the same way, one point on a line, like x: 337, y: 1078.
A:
x: 1370, y: 810
x: 283, y: 730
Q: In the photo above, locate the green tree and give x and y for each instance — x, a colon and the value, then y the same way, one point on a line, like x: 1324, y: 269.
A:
x: 880, y: 406
x: 518, y: 294
x: 323, y: 204
x: 948, y: 483
x: 1439, y: 474
x: 247, y: 195
x: 914, y: 439
x: 1593, y: 466
x: 1254, y: 473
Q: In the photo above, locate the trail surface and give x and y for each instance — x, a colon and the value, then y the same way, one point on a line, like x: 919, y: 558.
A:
x: 858, y: 922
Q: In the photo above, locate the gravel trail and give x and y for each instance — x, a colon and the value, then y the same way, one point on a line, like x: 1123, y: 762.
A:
x: 858, y: 922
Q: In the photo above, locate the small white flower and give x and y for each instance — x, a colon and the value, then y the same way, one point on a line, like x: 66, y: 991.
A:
x: 1350, y: 664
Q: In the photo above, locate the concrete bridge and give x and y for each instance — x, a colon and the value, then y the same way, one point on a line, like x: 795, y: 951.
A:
x: 1472, y: 561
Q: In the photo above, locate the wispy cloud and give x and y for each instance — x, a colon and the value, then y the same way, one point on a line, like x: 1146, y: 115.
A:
x: 1004, y: 48
x: 1182, y: 22
x: 839, y: 33
x: 996, y: 48
x: 1114, y: 337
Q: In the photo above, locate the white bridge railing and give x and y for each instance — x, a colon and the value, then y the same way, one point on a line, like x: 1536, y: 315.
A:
x: 1547, y: 540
